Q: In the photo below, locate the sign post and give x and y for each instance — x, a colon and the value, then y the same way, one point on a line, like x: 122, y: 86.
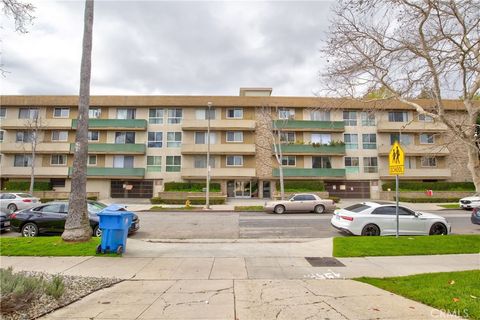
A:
x: 396, y: 164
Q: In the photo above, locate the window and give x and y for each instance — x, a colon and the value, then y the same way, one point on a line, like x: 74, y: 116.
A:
x: 59, y: 135
x: 410, y: 163
x: 234, y: 136
x: 320, y: 115
x: 352, y: 165
x: 154, y: 163
x: 429, y: 162
x: 124, y: 137
x: 28, y: 113
x: 286, y: 113
x: 92, y: 160
x: 202, y: 114
x: 397, y: 116
x: 1, y: 135
x: 351, y: 140
x: 123, y: 161
x: 3, y: 112
x: 289, y: 161
x: 235, y: 113
x: 61, y: 112
x: 370, y: 164
x: 24, y: 136
x: 22, y: 160
x: 321, y: 162
x: 94, y: 113
x: 155, y: 116
x: 201, y: 137
x: 174, y: 139
x: 427, y: 138
x: 201, y: 162
x: 174, y: 164
x: 126, y: 113
x: 236, y: 161
x: 322, y: 138
x: 58, y: 159
x: 369, y: 141
x: 155, y: 139
x: 350, y: 118
x: 57, y: 183
x: 288, y: 137
x: 368, y: 119
x: 424, y: 118
x: 391, y: 211
x: 95, y: 136
x: 405, y: 139
x: 174, y: 116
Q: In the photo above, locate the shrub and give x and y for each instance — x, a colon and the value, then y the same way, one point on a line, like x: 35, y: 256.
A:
x: 17, y: 290
x: 156, y: 200
x: 55, y: 288
x: 435, y: 186
x: 300, y: 186
x: 190, y: 186
x: 195, y: 201
x: 25, y: 186
x: 335, y: 199
x: 427, y: 200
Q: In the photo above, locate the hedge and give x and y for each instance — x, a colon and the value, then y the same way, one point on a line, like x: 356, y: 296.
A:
x: 435, y: 186
x: 304, y: 185
x: 190, y: 186
x: 25, y: 186
x: 158, y: 200
x: 43, y: 200
x: 427, y: 200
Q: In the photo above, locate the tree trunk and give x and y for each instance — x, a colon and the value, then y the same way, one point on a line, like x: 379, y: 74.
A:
x: 280, y: 165
x: 77, y: 226
x: 32, y: 165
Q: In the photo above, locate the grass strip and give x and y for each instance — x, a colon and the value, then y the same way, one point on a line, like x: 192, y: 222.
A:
x: 453, y: 293
x: 450, y: 206
x: 249, y: 208
x: 405, y: 245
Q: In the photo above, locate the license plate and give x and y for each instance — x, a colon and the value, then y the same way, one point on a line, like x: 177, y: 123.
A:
x: 6, y: 223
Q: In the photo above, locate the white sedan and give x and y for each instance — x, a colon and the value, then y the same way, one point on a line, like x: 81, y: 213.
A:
x: 378, y: 218
x: 14, y: 201
x: 470, y: 202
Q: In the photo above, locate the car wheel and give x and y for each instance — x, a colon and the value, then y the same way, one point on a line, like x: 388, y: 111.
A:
x: 438, y: 229
x: 279, y: 209
x: 97, y: 232
x: 319, y: 209
x: 29, y: 230
x: 12, y: 207
x: 371, y: 230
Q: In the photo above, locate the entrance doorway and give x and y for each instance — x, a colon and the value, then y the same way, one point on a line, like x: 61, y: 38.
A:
x: 239, y: 189
x: 266, y: 189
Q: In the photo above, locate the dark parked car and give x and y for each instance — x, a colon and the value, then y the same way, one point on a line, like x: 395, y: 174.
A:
x: 4, y: 221
x: 49, y: 218
x: 475, y: 215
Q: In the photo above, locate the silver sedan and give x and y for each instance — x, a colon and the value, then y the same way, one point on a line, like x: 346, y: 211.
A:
x: 14, y: 201
x: 302, y: 202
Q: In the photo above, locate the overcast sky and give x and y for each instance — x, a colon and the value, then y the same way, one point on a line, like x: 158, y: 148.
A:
x: 169, y: 47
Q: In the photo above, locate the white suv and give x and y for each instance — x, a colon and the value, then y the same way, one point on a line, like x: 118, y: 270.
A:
x: 470, y: 202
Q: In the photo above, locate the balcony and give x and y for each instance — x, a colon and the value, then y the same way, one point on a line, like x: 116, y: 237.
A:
x: 115, y: 124
x: 308, y: 149
x: 423, y: 173
x: 416, y: 150
x: 415, y: 126
x: 111, y: 148
x: 50, y: 124
x: 45, y: 148
x: 309, y: 125
x: 323, y: 173
x: 241, y: 125
x: 113, y: 172
x: 218, y: 173
x: 223, y: 149
x: 40, y: 172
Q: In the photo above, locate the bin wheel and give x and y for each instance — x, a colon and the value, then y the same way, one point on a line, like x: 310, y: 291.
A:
x: 99, y: 249
x: 120, y: 250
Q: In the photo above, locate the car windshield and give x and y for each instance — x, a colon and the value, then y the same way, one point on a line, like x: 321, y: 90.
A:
x: 24, y: 195
x: 359, y: 207
x: 96, y: 207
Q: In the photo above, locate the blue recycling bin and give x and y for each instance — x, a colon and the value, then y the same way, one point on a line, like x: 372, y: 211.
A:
x: 114, y: 223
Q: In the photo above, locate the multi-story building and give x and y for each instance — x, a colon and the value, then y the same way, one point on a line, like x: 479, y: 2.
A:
x: 137, y: 143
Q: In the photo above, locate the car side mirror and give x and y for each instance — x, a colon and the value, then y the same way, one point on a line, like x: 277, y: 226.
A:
x: 417, y: 214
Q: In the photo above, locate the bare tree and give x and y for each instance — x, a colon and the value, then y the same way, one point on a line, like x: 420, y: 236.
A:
x: 77, y: 226
x: 34, y: 126
x: 409, y: 49
x: 22, y: 13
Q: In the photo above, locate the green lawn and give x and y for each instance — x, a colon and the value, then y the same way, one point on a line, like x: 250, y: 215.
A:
x: 249, y: 208
x: 47, y: 246
x: 450, y: 206
x: 447, y: 291
x: 405, y: 245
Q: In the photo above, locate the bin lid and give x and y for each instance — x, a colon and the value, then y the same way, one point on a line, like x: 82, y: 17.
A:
x: 114, y: 209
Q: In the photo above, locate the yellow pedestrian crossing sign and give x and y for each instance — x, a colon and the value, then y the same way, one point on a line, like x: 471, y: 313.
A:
x: 396, y: 160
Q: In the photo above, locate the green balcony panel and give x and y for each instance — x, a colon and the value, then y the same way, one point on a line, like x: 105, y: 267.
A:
x: 307, y: 172
x: 154, y: 168
x: 113, y: 172
x: 310, y: 149
x: 132, y: 124
x: 310, y: 124
x: 106, y: 148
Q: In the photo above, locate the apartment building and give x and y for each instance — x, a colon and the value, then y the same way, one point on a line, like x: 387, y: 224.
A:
x: 137, y: 143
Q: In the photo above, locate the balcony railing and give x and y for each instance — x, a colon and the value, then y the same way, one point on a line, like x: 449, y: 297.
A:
x: 107, y: 148
x: 309, y: 125
x: 40, y: 172
x: 201, y: 173
x: 113, y: 172
x: 242, y: 125
x: 114, y: 124
x: 414, y: 126
x: 423, y: 173
x: 307, y: 149
x: 416, y: 150
x: 310, y: 172
x: 223, y: 148
x: 44, y: 147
